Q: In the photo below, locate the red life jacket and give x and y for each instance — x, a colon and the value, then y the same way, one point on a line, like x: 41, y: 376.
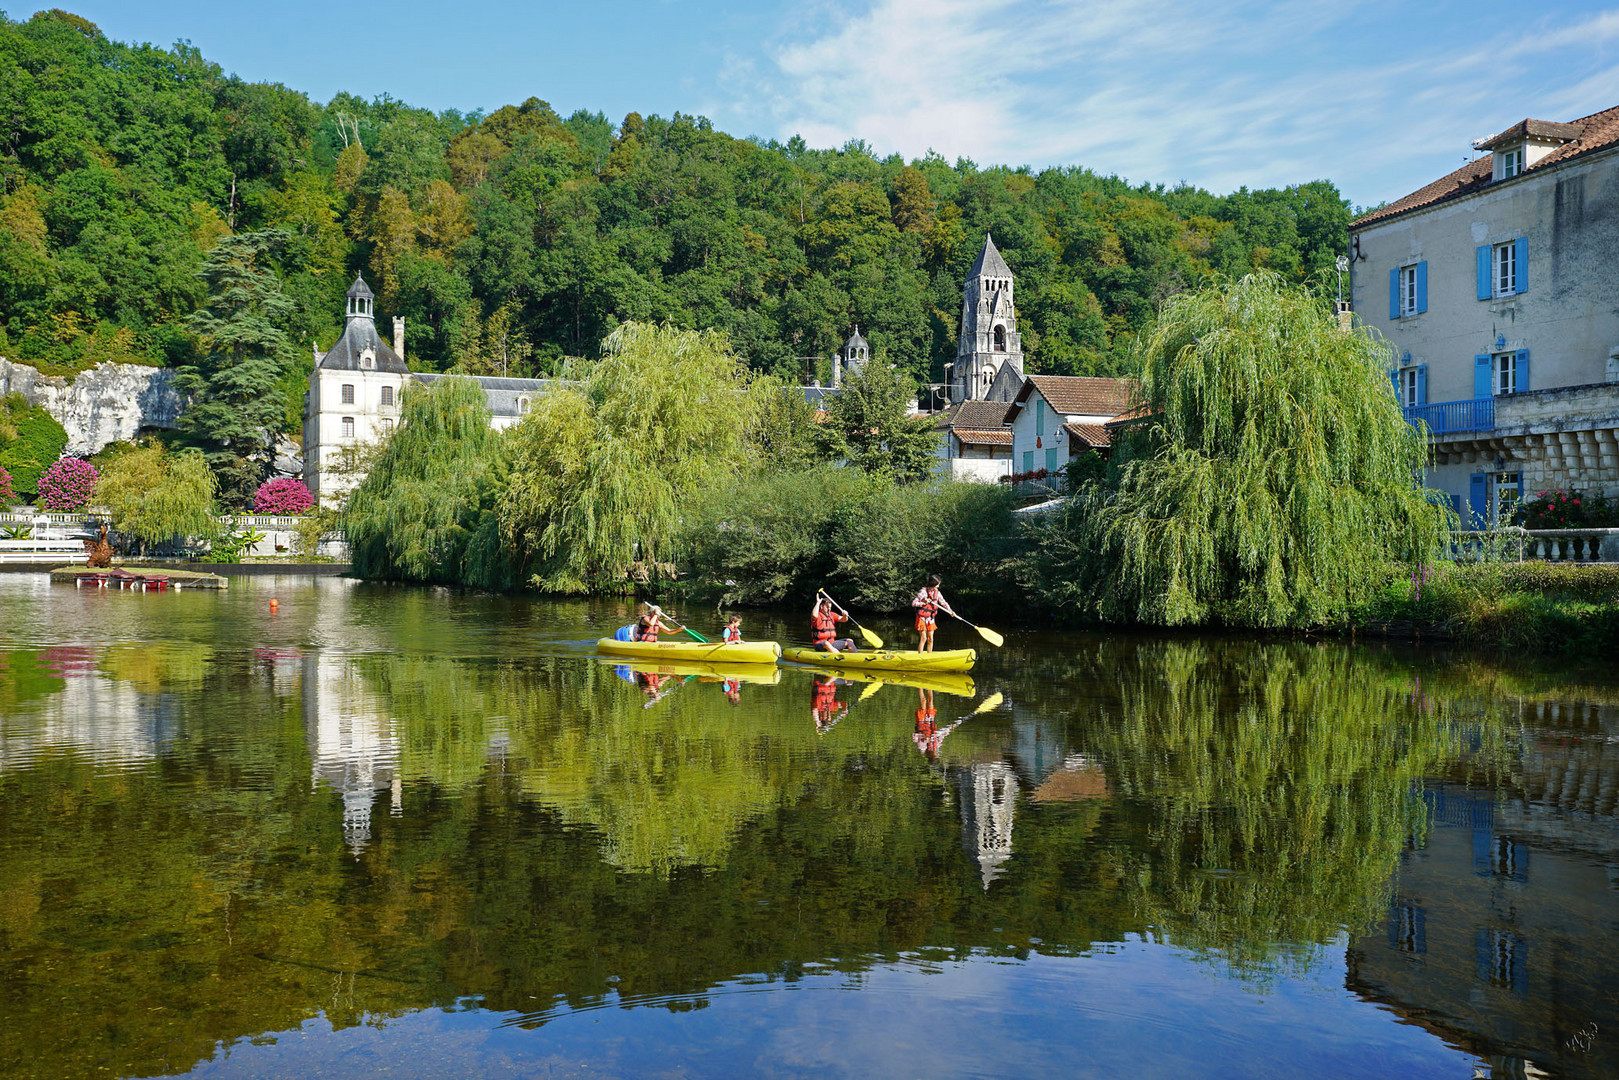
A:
x: 824, y: 627
x: 730, y: 633
x: 930, y: 603
x: 648, y: 631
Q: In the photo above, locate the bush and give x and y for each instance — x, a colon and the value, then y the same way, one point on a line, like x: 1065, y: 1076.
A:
x: 68, y: 484
x: 781, y: 536
x: 7, y: 494
x: 1558, y: 509
x: 30, y: 440
x: 284, y: 496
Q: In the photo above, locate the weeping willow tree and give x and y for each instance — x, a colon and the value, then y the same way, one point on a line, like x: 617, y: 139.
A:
x: 425, y: 511
x: 1270, y: 481
x: 155, y: 494
x: 601, y: 469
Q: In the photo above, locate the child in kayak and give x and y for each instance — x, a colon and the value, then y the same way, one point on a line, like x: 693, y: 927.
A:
x: 928, y: 603
x: 732, y: 633
x: 824, y: 619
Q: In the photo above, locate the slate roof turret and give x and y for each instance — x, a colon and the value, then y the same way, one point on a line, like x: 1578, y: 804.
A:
x: 360, y: 289
x: 990, y: 263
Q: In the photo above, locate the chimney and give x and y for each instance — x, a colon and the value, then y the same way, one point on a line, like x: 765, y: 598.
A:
x: 1346, y: 318
x: 837, y: 368
x: 399, y: 335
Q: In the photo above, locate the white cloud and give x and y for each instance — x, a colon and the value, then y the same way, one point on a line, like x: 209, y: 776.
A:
x: 1165, y: 90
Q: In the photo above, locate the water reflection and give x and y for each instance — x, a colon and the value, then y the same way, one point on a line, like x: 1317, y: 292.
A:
x: 361, y: 810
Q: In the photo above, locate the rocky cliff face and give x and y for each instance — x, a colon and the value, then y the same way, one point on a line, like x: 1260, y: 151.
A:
x: 108, y: 403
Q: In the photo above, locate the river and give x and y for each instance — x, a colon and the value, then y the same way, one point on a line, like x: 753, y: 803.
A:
x: 403, y: 832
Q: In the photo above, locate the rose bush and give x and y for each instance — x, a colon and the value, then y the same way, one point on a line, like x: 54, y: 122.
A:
x: 1558, y: 509
x: 283, y: 496
x: 7, y: 495
x: 68, y: 484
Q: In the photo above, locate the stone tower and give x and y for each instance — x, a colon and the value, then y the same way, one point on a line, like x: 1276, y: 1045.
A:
x: 989, y: 352
x: 850, y: 359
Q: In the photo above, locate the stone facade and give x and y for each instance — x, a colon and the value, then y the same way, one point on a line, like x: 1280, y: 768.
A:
x: 1496, y: 288
x: 108, y: 403
x: 989, y: 351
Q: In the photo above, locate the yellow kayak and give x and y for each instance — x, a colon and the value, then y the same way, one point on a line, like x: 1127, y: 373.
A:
x: 763, y: 674
x: 945, y: 682
x: 716, y: 652
x: 886, y: 660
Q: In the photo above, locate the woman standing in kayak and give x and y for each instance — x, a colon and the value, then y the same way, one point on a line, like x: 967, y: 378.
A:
x: 928, y: 603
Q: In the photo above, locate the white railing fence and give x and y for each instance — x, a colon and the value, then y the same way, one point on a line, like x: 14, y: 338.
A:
x: 1511, y: 543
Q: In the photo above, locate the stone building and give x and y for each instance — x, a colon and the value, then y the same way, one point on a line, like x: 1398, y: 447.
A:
x: 1496, y: 286
x: 355, y: 390
x: 989, y: 350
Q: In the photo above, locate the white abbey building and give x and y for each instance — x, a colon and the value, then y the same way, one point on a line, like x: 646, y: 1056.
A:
x: 355, y: 388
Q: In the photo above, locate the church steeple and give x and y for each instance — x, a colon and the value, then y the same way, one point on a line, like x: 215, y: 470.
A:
x: 989, y: 338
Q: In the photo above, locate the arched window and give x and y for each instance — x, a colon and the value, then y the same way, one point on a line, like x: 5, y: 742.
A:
x: 1000, y: 338
x: 387, y: 425
x: 348, y: 427
x: 522, y: 405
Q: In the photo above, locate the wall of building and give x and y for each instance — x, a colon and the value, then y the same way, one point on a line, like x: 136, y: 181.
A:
x: 324, y: 410
x: 106, y: 404
x: 1568, y: 317
x: 1027, y: 438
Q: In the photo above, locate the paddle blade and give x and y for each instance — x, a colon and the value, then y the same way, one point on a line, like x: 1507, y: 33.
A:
x: 871, y: 639
x: 992, y: 702
x: 695, y: 635
x: 870, y: 690
x: 990, y: 636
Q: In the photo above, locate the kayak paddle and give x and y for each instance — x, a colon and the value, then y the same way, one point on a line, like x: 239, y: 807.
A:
x: 694, y: 634
x: 871, y: 639
x: 992, y: 702
x: 983, y: 631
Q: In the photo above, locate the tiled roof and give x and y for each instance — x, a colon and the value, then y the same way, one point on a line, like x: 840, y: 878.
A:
x: 1140, y: 412
x: 1092, y: 434
x: 1595, y: 132
x: 997, y: 437
x: 974, y: 415
x: 1081, y: 395
x: 359, y: 335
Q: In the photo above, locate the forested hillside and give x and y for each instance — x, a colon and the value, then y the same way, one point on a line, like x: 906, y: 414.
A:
x: 508, y: 240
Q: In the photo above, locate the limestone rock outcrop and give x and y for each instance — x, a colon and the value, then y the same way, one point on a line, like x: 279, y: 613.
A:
x: 108, y: 403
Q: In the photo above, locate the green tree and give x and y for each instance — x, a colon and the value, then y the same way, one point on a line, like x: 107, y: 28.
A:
x: 155, y: 495
x: 1271, y: 481
x: 30, y: 441
x: 870, y: 426
x: 601, y: 470
x: 235, y: 409
x: 425, y: 510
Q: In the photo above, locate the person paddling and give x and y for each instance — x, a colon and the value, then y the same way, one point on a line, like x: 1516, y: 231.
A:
x: 650, y: 623
x: 928, y: 603
x: 824, y: 619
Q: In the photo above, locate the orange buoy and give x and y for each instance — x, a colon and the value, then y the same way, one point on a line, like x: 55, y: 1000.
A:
x: 275, y: 605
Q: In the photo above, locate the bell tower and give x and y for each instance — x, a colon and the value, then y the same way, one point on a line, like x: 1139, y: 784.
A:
x: 989, y: 338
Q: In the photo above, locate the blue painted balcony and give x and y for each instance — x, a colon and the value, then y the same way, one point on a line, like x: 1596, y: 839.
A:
x: 1454, y: 417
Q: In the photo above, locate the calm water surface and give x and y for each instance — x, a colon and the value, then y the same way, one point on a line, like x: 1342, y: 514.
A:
x: 409, y: 833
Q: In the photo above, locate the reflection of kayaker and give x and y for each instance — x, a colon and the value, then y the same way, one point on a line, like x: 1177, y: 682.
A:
x: 825, y: 708
x: 733, y: 690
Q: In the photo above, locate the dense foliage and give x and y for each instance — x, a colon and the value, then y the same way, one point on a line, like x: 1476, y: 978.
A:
x: 781, y: 536
x: 68, y: 484
x: 869, y: 426
x: 155, y: 495
x: 122, y: 166
x: 426, y: 510
x: 1559, y: 509
x: 284, y: 496
x: 30, y: 442
x: 1268, y: 485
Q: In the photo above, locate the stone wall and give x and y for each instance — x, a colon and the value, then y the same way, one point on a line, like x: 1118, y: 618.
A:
x: 109, y: 403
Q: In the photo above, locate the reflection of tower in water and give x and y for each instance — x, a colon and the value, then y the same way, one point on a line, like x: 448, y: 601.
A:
x: 987, y: 793
x: 353, y: 745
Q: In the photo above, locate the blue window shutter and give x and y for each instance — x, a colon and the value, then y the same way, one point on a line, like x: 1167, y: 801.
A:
x: 1520, y: 253
x: 1394, y: 293
x: 1481, y: 375
x: 1422, y: 384
x: 1040, y: 417
x: 1456, y: 504
x: 1520, y: 487
x: 1520, y: 371
x: 1478, y: 500
x: 1028, y: 461
x: 1484, y: 272
x: 1422, y: 287
x: 1394, y: 377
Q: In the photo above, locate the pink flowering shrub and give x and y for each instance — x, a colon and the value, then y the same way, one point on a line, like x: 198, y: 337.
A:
x: 68, y: 484
x: 7, y: 495
x: 1558, y: 509
x: 283, y: 496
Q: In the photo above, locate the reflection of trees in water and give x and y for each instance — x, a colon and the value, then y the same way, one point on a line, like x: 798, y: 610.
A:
x: 1266, y: 791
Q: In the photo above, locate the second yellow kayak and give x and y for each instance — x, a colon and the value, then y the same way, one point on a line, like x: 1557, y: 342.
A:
x: 886, y: 659
x: 715, y: 652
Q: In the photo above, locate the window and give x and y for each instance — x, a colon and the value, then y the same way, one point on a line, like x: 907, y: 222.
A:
x: 1506, y: 269
x: 348, y: 393
x: 387, y: 395
x: 1509, y: 162
x: 1408, y: 388
x: 522, y: 405
x: 1508, y: 492
x: 348, y: 427
x: 1000, y: 339
x: 387, y: 424
x: 1408, y: 290
x: 1505, y: 377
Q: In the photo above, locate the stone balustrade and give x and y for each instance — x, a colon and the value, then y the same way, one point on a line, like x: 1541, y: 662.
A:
x: 1514, y: 544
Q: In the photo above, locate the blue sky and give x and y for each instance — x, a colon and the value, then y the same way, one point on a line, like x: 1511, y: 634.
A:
x: 1381, y: 97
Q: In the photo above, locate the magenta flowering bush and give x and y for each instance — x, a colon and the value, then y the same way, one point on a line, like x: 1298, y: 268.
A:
x: 68, y: 484
x: 7, y: 495
x: 283, y: 496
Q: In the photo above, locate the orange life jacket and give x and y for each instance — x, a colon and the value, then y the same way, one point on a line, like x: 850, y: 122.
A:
x: 825, y: 625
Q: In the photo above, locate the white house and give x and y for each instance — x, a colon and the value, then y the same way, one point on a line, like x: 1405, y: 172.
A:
x: 1499, y: 291
x: 1055, y: 418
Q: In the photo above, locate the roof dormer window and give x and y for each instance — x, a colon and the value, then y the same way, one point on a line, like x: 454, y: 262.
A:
x: 1509, y: 162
